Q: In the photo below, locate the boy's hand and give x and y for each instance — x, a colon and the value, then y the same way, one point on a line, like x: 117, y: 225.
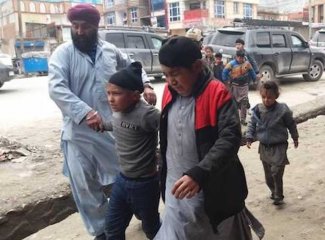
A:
x: 185, y: 187
x: 248, y: 144
x: 296, y: 143
x: 94, y: 121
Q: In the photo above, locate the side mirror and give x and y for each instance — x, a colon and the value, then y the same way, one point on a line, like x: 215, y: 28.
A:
x: 306, y: 45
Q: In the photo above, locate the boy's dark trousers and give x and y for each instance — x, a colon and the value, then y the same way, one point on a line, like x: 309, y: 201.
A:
x: 133, y: 196
x: 274, y: 179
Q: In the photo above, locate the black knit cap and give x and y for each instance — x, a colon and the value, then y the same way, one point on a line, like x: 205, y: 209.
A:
x: 179, y: 52
x: 129, y: 78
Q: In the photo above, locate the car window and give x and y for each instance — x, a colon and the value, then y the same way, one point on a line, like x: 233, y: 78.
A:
x: 263, y: 40
x: 278, y: 41
x: 207, y: 39
x: 297, y: 42
x: 156, y: 42
x: 135, y: 42
x: 227, y: 38
x: 116, y: 39
x: 321, y: 37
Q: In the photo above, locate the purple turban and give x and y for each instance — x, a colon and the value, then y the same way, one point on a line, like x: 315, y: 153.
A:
x: 84, y: 12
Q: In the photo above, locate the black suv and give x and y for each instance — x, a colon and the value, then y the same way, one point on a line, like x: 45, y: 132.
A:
x: 140, y: 46
x: 278, y: 53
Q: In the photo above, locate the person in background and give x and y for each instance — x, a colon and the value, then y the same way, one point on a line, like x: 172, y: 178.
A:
x: 237, y: 73
x: 218, y: 66
x: 203, y: 182
x: 135, y: 126
x: 269, y: 125
x: 78, y: 71
x: 208, y: 58
x: 240, y: 46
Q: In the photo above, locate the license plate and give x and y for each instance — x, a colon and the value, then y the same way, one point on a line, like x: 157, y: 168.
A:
x: 11, y: 73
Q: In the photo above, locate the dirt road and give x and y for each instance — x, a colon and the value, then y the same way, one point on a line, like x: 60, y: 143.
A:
x: 32, y: 119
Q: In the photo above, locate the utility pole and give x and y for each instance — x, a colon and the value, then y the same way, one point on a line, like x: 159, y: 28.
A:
x: 1, y: 21
x: 309, y: 18
x: 20, y: 28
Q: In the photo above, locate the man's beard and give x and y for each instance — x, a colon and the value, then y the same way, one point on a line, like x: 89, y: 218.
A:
x: 84, y: 42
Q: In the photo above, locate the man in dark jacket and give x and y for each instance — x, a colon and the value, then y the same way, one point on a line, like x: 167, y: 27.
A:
x: 203, y: 181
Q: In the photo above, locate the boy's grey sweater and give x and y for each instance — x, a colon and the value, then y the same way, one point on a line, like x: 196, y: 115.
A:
x: 136, y: 136
x: 270, y: 125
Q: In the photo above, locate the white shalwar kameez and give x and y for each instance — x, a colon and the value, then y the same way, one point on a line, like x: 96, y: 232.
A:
x: 77, y: 86
x: 186, y: 219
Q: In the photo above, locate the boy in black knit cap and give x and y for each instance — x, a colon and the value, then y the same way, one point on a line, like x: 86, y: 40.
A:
x: 135, y: 126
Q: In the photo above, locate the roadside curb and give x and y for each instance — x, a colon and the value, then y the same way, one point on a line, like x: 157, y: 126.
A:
x: 311, y: 109
x: 23, y: 221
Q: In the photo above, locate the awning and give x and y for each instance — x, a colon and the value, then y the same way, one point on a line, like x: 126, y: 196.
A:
x: 30, y: 44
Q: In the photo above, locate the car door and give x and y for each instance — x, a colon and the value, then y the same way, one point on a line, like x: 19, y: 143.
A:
x: 281, y: 51
x: 301, y: 54
x: 138, y: 50
x: 155, y: 43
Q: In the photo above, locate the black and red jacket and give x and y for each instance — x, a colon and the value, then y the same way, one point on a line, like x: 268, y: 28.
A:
x: 217, y: 128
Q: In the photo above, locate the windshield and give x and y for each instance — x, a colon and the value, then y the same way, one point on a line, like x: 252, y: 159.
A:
x: 227, y: 38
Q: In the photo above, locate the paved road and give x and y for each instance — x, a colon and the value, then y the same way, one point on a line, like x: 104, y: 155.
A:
x: 26, y: 100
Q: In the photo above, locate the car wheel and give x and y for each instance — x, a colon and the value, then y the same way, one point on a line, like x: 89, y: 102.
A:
x: 315, y: 71
x: 267, y: 73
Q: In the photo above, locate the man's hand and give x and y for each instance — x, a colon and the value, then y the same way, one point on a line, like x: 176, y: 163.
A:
x: 149, y: 95
x: 94, y: 121
x: 296, y: 143
x: 185, y: 187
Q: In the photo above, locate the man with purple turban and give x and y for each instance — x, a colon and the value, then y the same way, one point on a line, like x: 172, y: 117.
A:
x: 78, y: 73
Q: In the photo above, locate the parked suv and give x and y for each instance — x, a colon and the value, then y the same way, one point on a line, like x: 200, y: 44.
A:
x: 318, y: 40
x: 140, y: 46
x: 6, y: 68
x: 278, y: 53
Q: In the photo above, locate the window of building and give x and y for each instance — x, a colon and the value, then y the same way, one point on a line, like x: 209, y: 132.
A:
x: 111, y: 18
x: 52, y: 8
x: 174, y: 12
x: 109, y: 3
x: 61, y: 8
x: 236, y: 8
x: 263, y: 40
x: 248, y: 10
x: 278, y: 41
x: 32, y: 7
x: 219, y: 9
x: 195, y: 6
x: 22, y: 6
x: 134, y: 14
x: 42, y: 8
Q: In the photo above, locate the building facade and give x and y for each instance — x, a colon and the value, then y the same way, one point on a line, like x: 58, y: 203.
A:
x: 207, y: 15
x: 28, y: 25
